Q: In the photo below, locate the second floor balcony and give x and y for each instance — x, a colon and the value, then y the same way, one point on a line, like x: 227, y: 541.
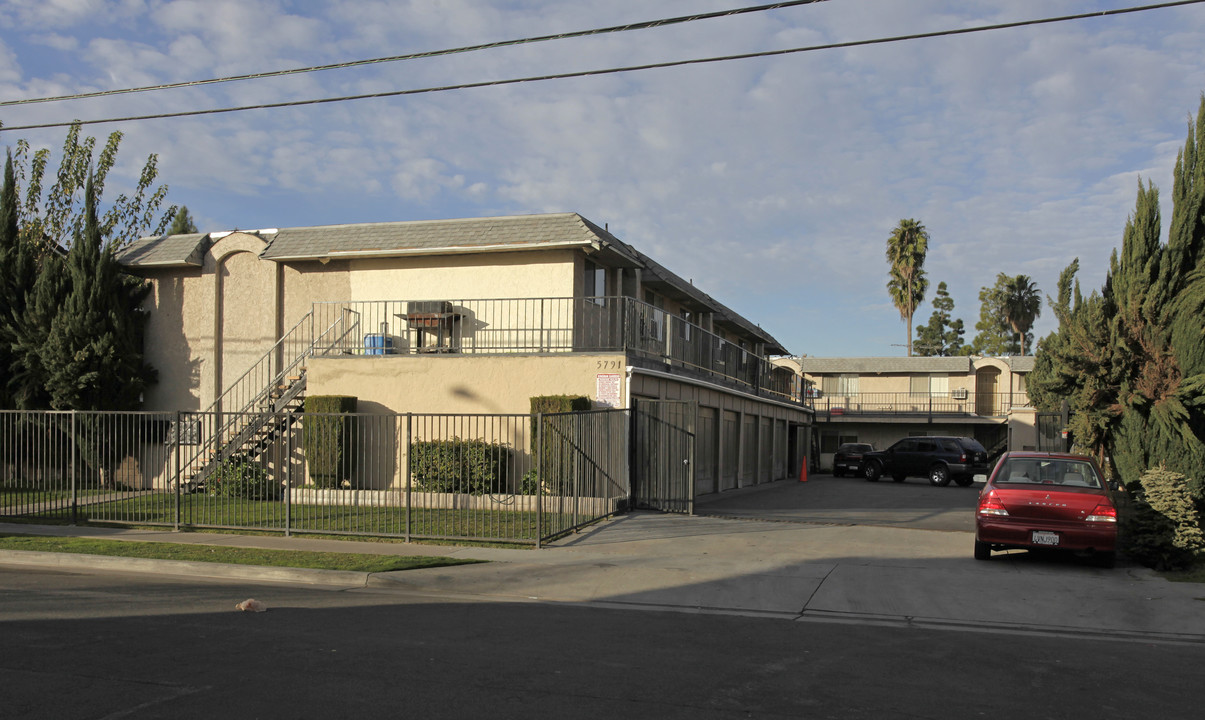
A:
x: 963, y: 403
x: 648, y: 335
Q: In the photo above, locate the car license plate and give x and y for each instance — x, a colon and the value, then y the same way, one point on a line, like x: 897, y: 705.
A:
x: 1045, y: 537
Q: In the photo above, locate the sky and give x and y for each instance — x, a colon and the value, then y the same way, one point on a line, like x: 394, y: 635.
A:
x: 772, y: 183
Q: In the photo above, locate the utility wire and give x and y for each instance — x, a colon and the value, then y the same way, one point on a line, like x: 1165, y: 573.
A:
x: 414, y: 56
x: 613, y: 71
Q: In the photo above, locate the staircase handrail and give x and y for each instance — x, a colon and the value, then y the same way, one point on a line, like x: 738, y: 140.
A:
x: 214, y: 439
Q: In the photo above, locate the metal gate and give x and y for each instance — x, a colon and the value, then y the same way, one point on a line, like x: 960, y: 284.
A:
x: 663, y: 442
x: 1050, y: 432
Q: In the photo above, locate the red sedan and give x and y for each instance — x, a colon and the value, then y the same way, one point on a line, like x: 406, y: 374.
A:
x: 1046, y: 501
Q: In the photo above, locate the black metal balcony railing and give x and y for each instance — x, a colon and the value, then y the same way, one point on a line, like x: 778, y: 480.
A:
x: 553, y: 325
x: 983, y: 404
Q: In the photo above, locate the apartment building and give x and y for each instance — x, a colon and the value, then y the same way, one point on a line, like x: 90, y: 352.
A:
x: 465, y: 316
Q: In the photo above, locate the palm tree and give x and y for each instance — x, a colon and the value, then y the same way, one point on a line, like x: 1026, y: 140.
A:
x: 906, y: 249
x: 1022, y: 305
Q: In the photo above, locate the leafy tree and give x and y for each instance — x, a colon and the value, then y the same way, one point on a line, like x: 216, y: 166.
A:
x: 1022, y: 305
x: 182, y: 224
x: 54, y: 216
x: 1131, y: 358
x: 93, y: 352
x: 942, y: 336
x: 906, y: 249
x: 35, y: 283
x: 996, y: 336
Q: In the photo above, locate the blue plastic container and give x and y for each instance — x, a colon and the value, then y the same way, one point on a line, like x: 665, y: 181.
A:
x: 378, y: 344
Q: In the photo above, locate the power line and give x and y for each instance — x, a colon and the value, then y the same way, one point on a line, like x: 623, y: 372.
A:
x: 613, y: 71
x: 415, y: 56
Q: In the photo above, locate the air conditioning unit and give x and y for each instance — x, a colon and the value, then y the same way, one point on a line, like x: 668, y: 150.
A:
x: 959, y: 394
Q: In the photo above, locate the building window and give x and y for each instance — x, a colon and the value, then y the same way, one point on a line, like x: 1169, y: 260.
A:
x: 684, y: 325
x: 596, y: 280
x: 839, y: 385
x: 932, y: 385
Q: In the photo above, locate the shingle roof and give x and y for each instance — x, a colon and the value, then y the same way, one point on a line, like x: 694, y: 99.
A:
x: 166, y: 251
x: 1022, y: 363
x: 382, y: 239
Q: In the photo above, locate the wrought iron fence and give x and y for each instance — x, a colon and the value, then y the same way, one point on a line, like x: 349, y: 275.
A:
x: 513, y: 478
x: 552, y: 325
x: 908, y: 403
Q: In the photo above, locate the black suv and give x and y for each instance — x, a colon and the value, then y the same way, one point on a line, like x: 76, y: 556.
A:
x: 941, y: 459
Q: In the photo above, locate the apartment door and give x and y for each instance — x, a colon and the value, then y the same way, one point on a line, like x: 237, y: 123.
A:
x: 987, y: 398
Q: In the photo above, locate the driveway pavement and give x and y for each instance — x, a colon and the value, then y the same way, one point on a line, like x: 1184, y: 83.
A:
x: 913, y: 503
x: 816, y: 563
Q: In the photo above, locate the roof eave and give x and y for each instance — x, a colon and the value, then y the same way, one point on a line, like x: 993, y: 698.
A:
x: 410, y: 252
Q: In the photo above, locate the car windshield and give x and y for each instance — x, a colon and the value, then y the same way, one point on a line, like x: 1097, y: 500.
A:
x: 1048, y: 471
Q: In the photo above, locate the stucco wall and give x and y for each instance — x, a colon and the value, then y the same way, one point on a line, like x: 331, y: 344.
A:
x: 208, y: 324
x: 459, y: 384
x: 470, y: 276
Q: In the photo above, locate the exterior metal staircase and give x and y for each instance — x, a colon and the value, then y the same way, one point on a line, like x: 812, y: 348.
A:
x: 269, y: 400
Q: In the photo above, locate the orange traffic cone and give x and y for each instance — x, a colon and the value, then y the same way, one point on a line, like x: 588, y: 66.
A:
x: 803, y: 472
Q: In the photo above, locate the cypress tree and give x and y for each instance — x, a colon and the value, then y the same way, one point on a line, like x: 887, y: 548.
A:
x: 93, y: 351
x: 11, y: 292
x: 28, y: 379
x: 1130, y: 360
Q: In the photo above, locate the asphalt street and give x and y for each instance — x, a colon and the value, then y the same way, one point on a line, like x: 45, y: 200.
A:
x: 109, y: 645
x: 842, y: 599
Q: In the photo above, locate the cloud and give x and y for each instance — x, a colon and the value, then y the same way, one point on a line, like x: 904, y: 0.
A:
x: 773, y: 182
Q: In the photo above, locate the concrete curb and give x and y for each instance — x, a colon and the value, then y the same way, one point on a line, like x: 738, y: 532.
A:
x: 184, y: 568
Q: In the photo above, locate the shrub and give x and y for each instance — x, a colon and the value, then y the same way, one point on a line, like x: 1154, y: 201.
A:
x: 330, y: 440
x: 558, y: 452
x: 529, y: 485
x: 1160, y: 524
x: 473, y: 467
x: 242, y: 479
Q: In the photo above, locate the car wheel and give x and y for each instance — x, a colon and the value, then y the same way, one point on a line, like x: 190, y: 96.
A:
x: 837, y: 472
x: 898, y: 478
x: 964, y: 480
x: 873, y: 471
x: 939, y: 475
x: 983, y: 551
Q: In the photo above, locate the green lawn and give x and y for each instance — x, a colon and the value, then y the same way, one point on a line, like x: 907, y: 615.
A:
x: 361, y: 562
x: 159, y: 508
x: 13, y: 497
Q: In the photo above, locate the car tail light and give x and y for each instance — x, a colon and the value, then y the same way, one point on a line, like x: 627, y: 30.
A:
x: 1103, y: 512
x: 990, y: 505
x: 962, y: 458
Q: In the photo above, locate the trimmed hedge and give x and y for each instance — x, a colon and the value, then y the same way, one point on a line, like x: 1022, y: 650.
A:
x: 330, y: 441
x: 472, y: 467
x: 557, y: 477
